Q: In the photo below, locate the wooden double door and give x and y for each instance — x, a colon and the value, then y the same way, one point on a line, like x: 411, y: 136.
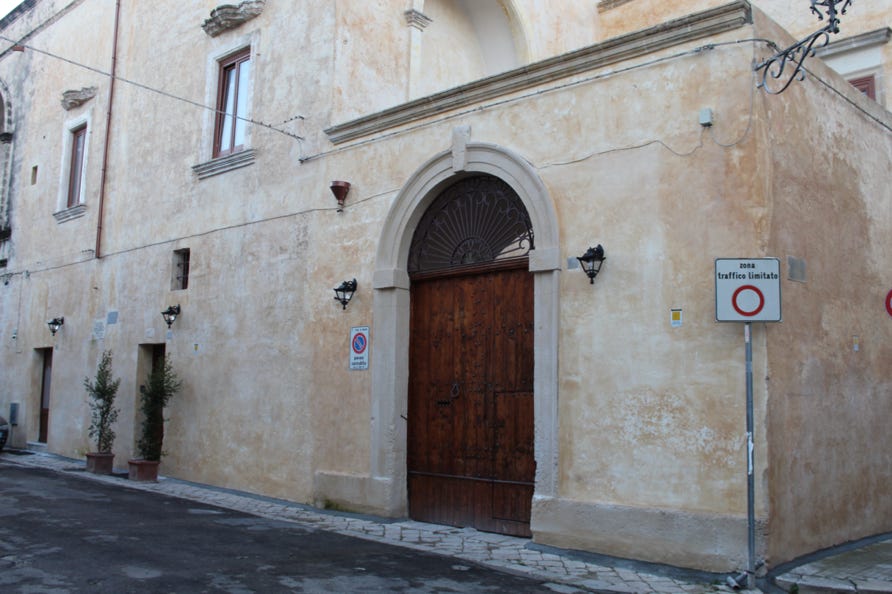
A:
x: 470, y: 415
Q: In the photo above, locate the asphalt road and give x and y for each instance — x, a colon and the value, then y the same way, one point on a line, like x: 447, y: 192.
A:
x: 61, y: 533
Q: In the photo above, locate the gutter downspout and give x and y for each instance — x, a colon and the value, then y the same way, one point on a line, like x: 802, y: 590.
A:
x: 108, y: 120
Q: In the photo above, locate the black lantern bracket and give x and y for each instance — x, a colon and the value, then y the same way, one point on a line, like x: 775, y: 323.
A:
x: 55, y: 324
x: 170, y: 314
x: 344, y: 292
x: 591, y: 262
x: 787, y: 65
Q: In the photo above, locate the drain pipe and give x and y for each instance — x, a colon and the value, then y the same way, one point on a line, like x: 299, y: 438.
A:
x: 108, y: 120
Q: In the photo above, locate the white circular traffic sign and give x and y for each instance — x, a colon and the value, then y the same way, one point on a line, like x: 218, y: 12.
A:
x: 747, y: 290
x: 748, y: 300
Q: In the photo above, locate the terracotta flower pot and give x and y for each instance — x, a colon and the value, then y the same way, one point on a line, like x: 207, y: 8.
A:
x: 100, y: 462
x: 143, y: 470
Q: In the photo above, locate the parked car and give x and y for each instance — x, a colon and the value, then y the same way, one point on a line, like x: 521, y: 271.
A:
x: 4, y: 432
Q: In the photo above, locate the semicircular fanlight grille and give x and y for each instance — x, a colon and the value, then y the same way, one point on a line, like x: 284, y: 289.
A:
x: 475, y: 220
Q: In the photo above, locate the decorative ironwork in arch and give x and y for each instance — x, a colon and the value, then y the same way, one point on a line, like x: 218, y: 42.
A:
x: 476, y: 220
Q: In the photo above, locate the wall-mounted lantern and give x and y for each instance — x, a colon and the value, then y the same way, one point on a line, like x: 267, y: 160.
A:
x: 170, y: 314
x: 344, y: 292
x: 340, y: 189
x: 591, y: 262
x: 55, y: 324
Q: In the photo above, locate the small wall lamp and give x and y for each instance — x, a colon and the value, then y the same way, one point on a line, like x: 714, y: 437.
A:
x: 340, y: 189
x: 344, y: 292
x: 55, y: 324
x: 170, y: 314
x: 591, y: 262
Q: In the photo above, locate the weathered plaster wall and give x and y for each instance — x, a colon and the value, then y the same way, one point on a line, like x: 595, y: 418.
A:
x: 617, y: 18
x: 451, y: 52
x: 39, y: 81
x: 650, y: 448
x: 828, y: 361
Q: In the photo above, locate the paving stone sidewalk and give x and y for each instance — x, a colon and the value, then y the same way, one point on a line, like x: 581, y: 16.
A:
x: 866, y: 569
x: 568, y: 572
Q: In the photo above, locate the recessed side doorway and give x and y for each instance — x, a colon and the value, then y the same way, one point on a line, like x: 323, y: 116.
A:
x: 150, y: 357
x: 470, y: 440
x: 43, y: 428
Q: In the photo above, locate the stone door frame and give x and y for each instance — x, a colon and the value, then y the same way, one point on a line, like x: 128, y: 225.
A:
x: 386, y: 490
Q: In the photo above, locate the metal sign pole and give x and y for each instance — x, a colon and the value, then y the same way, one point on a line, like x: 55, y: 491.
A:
x: 750, y: 479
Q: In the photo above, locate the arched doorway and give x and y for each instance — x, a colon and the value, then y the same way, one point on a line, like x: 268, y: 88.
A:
x: 385, y: 488
x: 470, y: 430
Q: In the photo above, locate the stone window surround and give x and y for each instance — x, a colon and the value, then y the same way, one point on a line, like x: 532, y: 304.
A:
x: 63, y: 211
x: 859, y: 57
x: 210, y: 166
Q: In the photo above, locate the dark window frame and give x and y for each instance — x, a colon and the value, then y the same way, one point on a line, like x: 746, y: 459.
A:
x: 225, y: 144
x: 76, y: 165
x: 181, y: 259
x: 866, y: 84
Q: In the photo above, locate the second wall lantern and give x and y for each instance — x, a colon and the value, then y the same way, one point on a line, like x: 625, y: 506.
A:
x: 344, y: 292
x: 591, y: 262
x: 55, y: 324
x: 170, y: 314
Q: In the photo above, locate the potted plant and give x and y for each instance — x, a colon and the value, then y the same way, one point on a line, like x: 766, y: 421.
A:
x: 161, y: 385
x: 102, y: 391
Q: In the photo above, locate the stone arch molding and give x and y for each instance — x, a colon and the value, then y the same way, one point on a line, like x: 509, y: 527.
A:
x: 386, y: 489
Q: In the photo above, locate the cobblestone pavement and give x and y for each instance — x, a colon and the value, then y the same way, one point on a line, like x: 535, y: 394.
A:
x: 568, y: 572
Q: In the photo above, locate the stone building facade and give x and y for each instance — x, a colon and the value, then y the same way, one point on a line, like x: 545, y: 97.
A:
x: 166, y: 153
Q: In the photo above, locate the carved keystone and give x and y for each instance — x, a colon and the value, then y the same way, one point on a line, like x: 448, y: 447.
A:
x: 72, y: 99
x: 229, y: 16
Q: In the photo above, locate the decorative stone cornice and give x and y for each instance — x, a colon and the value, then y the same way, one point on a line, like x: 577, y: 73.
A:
x: 224, y: 164
x: 72, y: 99
x: 625, y: 47
x: 70, y: 213
x: 856, y: 42
x: 229, y: 16
x: 417, y: 19
x: 605, y: 5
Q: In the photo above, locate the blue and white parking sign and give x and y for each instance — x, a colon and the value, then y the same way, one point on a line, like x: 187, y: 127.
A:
x: 359, y: 347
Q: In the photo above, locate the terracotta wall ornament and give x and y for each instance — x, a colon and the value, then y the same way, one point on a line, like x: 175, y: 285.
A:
x: 229, y: 16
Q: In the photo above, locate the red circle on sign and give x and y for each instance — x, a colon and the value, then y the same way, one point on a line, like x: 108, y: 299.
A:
x: 889, y: 303
x: 359, y: 343
x: 754, y: 290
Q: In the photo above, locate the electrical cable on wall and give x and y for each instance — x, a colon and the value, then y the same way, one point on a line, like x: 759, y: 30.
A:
x: 162, y: 92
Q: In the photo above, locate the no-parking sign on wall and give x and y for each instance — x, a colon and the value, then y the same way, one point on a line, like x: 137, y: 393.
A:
x: 747, y: 290
x: 359, y: 347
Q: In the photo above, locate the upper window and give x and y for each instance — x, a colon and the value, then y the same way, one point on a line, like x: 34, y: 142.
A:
x: 180, y: 280
x: 76, y: 165
x: 72, y: 197
x: 232, y: 103
x: 867, y: 85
